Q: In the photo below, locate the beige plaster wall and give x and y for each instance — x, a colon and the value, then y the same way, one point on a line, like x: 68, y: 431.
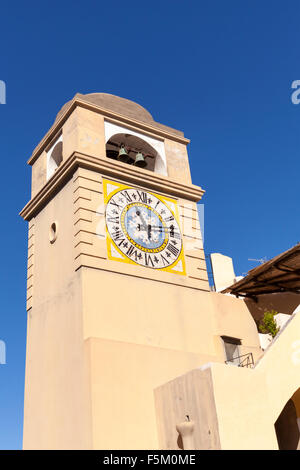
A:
x: 84, y: 132
x: 142, y: 334
x: 39, y: 174
x: 223, y: 271
x: 147, y: 312
x: 249, y: 401
x: 232, y: 318
x: 144, y: 311
x: 123, y: 378
x: 177, y: 161
x: 190, y: 395
x: 102, y: 335
x: 100, y: 342
x: 237, y: 407
x: 57, y: 411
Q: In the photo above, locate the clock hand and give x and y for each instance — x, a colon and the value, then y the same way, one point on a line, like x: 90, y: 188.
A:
x: 159, y: 228
x: 146, y: 227
x: 170, y: 230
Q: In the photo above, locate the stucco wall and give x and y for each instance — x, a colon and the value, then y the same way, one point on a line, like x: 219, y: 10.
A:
x: 237, y: 407
x: 57, y: 404
x: 190, y: 395
x: 249, y: 401
x: 100, y: 342
x: 142, y: 334
x: 102, y: 334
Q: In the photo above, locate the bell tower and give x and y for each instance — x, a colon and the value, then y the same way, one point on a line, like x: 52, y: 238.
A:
x: 116, y: 276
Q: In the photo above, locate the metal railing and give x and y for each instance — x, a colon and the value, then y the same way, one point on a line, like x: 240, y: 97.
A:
x: 245, y: 360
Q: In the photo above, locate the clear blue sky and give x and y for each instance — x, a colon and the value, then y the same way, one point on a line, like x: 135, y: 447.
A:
x: 220, y: 71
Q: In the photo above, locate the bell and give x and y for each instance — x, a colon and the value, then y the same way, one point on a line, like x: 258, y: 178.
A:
x: 140, y: 160
x: 123, y: 155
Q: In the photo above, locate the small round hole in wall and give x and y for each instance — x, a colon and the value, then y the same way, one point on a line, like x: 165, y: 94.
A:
x: 53, y: 232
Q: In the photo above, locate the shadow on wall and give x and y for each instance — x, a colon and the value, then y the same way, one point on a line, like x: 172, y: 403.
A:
x: 282, y: 303
x: 286, y: 427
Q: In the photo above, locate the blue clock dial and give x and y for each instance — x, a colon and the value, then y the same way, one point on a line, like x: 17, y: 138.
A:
x: 143, y: 228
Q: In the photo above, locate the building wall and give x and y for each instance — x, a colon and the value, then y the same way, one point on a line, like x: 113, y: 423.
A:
x: 190, y: 395
x: 57, y: 405
x: 102, y: 334
x: 101, y: 338
x: 141, y: 334
x: 236, y: 408
x: 249, y: 401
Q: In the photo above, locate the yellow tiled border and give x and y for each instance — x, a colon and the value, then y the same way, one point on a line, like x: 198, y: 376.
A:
x: 165, y: 200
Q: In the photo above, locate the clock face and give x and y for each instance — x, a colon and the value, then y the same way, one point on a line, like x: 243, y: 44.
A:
x: 143, y: 228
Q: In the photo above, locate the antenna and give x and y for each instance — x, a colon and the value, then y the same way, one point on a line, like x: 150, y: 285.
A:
x: 261, y: 260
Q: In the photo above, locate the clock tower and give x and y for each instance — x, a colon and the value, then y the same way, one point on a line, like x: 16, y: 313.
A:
x: 117, y: 296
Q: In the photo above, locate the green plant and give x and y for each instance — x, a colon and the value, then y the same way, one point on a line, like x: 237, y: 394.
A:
x: 268, y: 324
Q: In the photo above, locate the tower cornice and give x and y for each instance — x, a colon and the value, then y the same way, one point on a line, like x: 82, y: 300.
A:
x: 113, y: 169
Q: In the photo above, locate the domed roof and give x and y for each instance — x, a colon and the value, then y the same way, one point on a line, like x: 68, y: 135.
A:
x: 114, y: 103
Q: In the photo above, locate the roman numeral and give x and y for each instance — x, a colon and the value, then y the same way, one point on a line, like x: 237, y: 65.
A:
x: 114, y: 204
x: 118, y: 236
x: 164, y: 260
x: 148, y: 260
x: 127, y: 196
x: 172, y: 249
x: 114, y: 220
x: 132, y: 252
x: 142, y: 196
x: 173, y: 234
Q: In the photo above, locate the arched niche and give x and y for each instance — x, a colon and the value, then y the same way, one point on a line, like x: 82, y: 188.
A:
x: 287, y: 424
x: 134, y: 144
x: 54, y: 157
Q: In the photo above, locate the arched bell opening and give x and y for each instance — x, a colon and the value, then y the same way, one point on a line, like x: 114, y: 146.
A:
x: 132, y: 150
x: 56, y: 154
x: 287, y: 425
x: 54, y: 157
